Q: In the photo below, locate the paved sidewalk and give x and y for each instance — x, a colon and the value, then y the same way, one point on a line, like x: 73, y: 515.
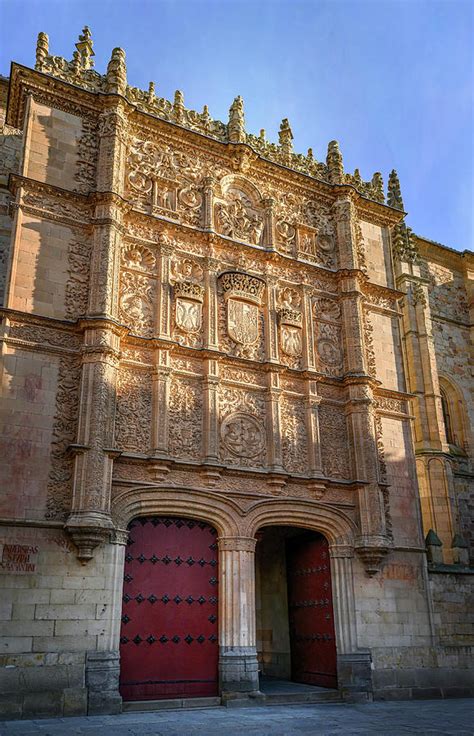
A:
x: 423, y: 718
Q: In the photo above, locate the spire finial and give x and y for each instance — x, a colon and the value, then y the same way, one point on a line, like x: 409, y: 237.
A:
x: 117, y: 72
x: 377, y: 187
x: 84, y: 47
x: 42, y: 50
x: 334, y: 163
x: 394, y: 195
x: 236, y: 126
x: 285, y: 135
x: 178, y: 106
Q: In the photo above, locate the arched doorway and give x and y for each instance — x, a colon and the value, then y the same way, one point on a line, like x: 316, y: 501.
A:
x: 168, y: 638
x: 294, y: 608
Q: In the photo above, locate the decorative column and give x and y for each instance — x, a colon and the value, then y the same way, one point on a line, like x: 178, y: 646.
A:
x: 238, y: 667
x: 211, y: 315
x: 372, y: 544
x: 354, y: 672
x: 312, y: 430
x: 89, y: 522
x: 211, y: 411
x: 163, y: 320
x: 274, y: 448
x: 309, y: 361
x: 269, y: 224
x: 208, y: 196
x: 271, y: 321
x: 160, y: 399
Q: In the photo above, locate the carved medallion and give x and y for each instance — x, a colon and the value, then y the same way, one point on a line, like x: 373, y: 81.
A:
x: 242, y: 435
x: 242, y: 321
x: 329, y: 352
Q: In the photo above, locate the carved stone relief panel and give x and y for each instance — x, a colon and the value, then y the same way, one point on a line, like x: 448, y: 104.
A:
x: 293, y: 429
x: 334, y: 441
x: 137, y: 302
x: 328, y: 335
x: 238, y: 211
x: 242, y: 427
x: 188, y: 292
x: 133, y: 412
x: 241, y: 323
x: 185, y: 418
x: 59, y: 490
x: 290, y: 321
x: 78, y: 267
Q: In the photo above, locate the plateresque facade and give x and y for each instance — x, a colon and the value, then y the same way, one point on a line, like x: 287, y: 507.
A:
x: 203, y: 330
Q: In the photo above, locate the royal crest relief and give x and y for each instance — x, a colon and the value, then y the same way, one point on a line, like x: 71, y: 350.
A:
x: 242, y: 321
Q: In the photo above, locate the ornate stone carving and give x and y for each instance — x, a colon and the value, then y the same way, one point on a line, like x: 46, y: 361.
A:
x: 138, y: 258
x: 185, y: 418
x: 237, y: 217
x: 137, y: 295
x: 242, y: 426
x: 133, y: 412
x: 328, y: 348
x: 242, y: 286
x: 294, y: 442
x: 87, y: 154
x: 334, y: 441
x: 77, y: 286
x: 326, y: 309
x: 59, y: 490
x: 369, y: 343
x: 242, y: 435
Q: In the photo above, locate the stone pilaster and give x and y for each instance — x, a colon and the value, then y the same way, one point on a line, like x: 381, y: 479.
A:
x: 238, y: 667
x: 211, y: 411
x: 309, y: 360
x: 372, y: 544
x: 160, y: 400
x: 211, y: 314
x: 343, y: 597
x: 271, y: 322
x: 312, y: 430
x: 355, y: 359
x: 345, y: 216
x: 208, y: 203
x: 273, y: 423
x: 89, y: 522
x: 163, y: 320
x: 268, y: 205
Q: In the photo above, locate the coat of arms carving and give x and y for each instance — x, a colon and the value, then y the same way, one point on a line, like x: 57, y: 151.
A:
x: 242, y: 321
x: 188, y: 310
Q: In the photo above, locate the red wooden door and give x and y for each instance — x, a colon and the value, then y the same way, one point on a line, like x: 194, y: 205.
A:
x: 168, y: 642
x: 312, y: 638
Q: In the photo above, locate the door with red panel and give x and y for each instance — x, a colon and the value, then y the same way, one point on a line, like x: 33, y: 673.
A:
x: 168, y: 638
x: 311, y: 619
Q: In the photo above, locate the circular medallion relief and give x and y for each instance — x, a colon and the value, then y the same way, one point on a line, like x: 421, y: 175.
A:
x: 329, y: 352
x: 242, y: 435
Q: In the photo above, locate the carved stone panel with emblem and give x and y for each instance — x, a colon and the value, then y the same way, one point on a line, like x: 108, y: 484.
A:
x: 133, y: 412
x: 242, y: 427
x: 185, y: 418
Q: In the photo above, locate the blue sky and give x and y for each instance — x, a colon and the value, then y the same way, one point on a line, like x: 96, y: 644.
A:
x: 392, y: 80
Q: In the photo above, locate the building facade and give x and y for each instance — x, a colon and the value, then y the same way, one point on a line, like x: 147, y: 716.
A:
x: 236, y: 411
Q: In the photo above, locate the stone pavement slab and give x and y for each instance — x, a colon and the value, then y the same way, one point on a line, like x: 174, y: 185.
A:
x: 420, y: 718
